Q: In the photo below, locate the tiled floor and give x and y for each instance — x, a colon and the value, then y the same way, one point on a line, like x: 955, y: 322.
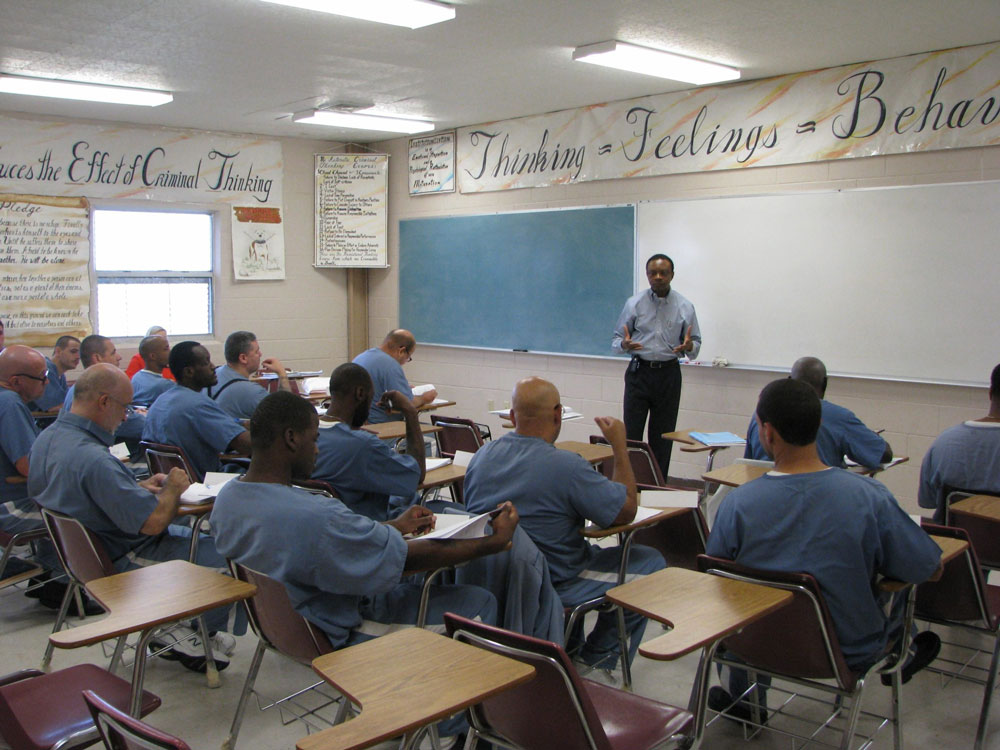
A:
x: 935, y: 717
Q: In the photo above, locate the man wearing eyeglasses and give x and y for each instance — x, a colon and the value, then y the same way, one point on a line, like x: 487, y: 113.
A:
x: 22, y: 379
x: 385, y: 364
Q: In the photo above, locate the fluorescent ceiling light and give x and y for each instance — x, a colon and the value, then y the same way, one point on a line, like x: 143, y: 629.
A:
x: 654, y: 62
x: 410, y: 13
x: 334, y: 119
x: 89, y: 92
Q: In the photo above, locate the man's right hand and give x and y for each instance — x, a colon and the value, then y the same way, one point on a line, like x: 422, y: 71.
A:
x: 628, y: 345
x: 612, y: 429
x: 395, y: 401
x: 504, y: 524
x: 177, y: 480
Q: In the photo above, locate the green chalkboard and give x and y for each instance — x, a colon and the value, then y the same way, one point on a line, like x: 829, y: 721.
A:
x: 542, y: 281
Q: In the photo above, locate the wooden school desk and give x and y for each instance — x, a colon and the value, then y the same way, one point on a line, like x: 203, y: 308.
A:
x: 735, y: 475
x: 396, y: 430
x: 432, y: 406
x: 594, y: 453
x: 406, y: 680
x: 702, y: 609
x: 690, y: 445
x: 443, y: 477
x: 141, y: 600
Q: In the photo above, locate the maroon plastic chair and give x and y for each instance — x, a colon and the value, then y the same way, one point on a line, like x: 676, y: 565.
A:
x: 84, y: 559
x: 316, y: 487
x: 119, y: 731
x: 799, y: 642
x: 39, y: 711
x: 648, y: 475
x: 279, y: 628
x: 8, y: 542
x: 680, y: 539
x: 457, y: 434
x: 578, y: 713
x: 161, y: 458
x: 961, y: 598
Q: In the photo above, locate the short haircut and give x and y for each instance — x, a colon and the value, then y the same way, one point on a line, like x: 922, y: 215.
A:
x: 399, y: 337
x: 92, y: 346
x: 995, y: 381
x: 276, y: 413
x: 347, y: 377
x: 660, y: 256
x: 237, y: 343
x: 792, y: 408
x: 146, y: 344
x: 63, y: 341
x: 153, y: 330
x: 181, y: 356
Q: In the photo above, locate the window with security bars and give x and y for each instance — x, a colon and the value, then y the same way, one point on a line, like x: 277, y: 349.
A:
x: 154, y: 267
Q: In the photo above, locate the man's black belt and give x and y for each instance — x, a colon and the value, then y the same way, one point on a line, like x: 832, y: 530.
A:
x: 654, y: 363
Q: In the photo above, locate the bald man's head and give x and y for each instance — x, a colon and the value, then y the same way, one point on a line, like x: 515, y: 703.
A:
x: 812, y: 371
x: 535, y: 408
x: 23, y: 370
x: 102, y: 395
x: 400, y: 345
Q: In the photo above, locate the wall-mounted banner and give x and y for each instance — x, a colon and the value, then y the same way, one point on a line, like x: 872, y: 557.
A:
x: 431, y: 167
x: 351, y: 210
x: 59, y: 157
x: 258, y: 243
x: 44, y: 256
x: 931, y: 101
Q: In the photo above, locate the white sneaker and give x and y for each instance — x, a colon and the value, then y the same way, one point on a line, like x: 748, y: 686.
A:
x: 223, y: 643
x: 184, y: 645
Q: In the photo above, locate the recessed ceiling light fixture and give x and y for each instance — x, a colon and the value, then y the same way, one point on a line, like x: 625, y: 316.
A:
x: 334, y: 119
x: 654, y: 62
x: 89, y: 92
x: 410, y: 13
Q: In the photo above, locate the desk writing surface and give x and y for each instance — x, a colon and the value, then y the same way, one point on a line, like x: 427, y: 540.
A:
x: 594, y: 453
x: 397, y: 429
x: 594, y: 532
x: 701, y: 608
x: 735, y: 475
x: 440, y: 477
x: 950, y: 549
x: 150, y: 596
x: 405, y: 680
x: 432, y: 406
x: 984, y: 506
x: 689, y: 444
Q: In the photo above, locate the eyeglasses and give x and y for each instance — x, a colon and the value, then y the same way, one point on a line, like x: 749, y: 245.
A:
x: 41, y: 379
x: 120, y: 403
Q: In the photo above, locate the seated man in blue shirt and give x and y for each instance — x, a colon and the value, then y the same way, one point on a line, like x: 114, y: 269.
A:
x: 185, y: 417
x: 234, y: 393
x: 97, y: 349
x: 65, y: 357
x: 72, y: 472
x: 964, y: 457
x: 363, y: 469
x: 556, y: 492
x: 343, y: 571
x: 840, y: 433
x: 385, y: 364
x: 840, y: 527
x: 148, y: 383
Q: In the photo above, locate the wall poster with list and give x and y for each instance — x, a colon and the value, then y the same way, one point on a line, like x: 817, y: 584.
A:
x: 351, y: 210
x: 44, y: 257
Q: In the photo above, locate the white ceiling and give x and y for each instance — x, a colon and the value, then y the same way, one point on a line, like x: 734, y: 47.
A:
x: 244, y: 65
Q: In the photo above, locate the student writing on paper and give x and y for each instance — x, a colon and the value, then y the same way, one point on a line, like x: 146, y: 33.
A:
x: 841, y: 433
x: 656, y: 327
x: 233, y: 391
x: 73, y: 473
x: 342, y: 570
x: 964, y: 457
x: 366, y: 471
x: 556, y: 492
x: 385, y: 365
x: 838, y: 526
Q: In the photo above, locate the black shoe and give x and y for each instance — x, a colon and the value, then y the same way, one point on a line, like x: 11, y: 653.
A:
x: 924, y: 649
x: 722, y: 702
x: 50, y: 594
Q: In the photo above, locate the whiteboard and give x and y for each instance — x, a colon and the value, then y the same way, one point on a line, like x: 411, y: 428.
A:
x: 895, y: 283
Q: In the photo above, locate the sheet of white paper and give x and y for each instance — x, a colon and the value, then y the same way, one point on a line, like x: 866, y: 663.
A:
x: 119, y: 451
x: 668, y: 498
x: 462, y: 458
x: 455, y: 526
x: 436, y: 463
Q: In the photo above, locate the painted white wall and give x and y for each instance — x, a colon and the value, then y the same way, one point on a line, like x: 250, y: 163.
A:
x: 713, y: 399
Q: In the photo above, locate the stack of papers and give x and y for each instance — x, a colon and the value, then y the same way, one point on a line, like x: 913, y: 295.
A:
x: 314, y: 385
x: 304, y: 373
x: 457, y: 526
x: 568, y: 414
x: 660, y: 499
x: 119, y: 451
x: 203, y: 492
x: 436, y: 463
x: 717, y: 439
